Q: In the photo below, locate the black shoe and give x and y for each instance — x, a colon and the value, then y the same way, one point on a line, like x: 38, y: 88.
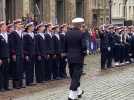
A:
x: 80, y: 96
x: 83, y: 73
x: 7, y: 89
x: 103, y: 69
x: 72, y: 99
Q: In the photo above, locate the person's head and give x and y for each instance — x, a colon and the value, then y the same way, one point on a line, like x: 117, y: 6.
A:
x: 3, y: 26
x: 40, y: 27
x: 18, y: 24
x: 29, y: 27
x: 56, y: 29
x: 63, y: 28
x: 129, y: 29
x: 49, y: 27
x: 78, y: 22
x: 10, y: 27
x: 111, y: 28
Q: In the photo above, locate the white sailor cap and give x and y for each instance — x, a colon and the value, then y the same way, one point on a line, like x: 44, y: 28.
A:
x: 29, y: 24
x: 17, y: 21
x: 2, y: 22
x: 40, y: 25
x: 78, y: 20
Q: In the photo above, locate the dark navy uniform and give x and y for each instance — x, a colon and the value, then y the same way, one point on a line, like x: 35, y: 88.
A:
x: 29, y: 55
x: 4, y: 57
x: 16, y: 54
x: 76, y: 47
x: 63, y: 62
x: 130, y: 40
x: 40, y: 68
x: 49, y: 49
x: 117, y: 44
x: 56, y: 57
x: 106, y: 49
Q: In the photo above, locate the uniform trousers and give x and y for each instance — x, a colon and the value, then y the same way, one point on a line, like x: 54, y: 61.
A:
x: 4, y: 68
x: 75, y: 70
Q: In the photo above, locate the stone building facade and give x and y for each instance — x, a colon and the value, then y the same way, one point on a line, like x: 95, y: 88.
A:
x: 123, y: 10
x: 95, y: 12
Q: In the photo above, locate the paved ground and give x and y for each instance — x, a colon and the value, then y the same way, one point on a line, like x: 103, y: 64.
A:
x: 113, y: 84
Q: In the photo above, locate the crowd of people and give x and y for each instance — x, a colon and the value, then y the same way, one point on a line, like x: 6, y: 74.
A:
x: 117, y: 45
x: 28, y: 50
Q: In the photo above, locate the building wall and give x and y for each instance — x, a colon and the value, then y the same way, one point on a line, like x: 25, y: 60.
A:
x: 48, y: 10
x: 2, y: 10
x: 123, y: 9
x: 130, y: 10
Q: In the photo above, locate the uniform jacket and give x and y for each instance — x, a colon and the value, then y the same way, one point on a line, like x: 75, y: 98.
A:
x: 75, y: 46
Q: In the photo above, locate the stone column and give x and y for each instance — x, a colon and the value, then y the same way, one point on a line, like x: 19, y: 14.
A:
x: 88, y: 11
x: 18, y: 8
x: 70, y: 10
x: 49, y: 11
x: 2, y: 10
x: 26, y: 7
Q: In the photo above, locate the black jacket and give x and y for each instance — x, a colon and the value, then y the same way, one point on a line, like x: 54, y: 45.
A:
x: 39, y: 45
x: 15, y: 43
x: 49, y: 46
x: 28, y: 45
x: 4, y: 48
x: 56, y: 44
x: 62, y: 43
x: 75, y: 46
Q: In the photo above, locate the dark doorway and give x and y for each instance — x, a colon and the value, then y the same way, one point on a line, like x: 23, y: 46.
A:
x: 38, y: 9
x: 79, y: 8
x: 60, y: 11
x: 10, y: 10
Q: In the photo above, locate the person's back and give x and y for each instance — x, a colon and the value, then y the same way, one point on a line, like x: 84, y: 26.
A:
x: 75, y: 47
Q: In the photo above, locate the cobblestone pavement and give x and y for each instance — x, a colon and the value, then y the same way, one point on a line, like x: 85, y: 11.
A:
x: 113, y: 84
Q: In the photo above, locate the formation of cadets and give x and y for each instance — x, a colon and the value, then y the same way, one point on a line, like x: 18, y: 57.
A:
x: 117, y: 45
x: 29, y: 52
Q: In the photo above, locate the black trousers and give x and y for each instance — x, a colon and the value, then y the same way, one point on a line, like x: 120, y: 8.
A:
x: 122, y: 53
x: 4, y: 68
x: 127, y: 49
x: 62, y: 69
x: 17, y: 71
x: 49, y: 64
x: 40, y: 69
x: 55, y: 66
x: 29, y: 70
x: 116, y: 53
x: 106, y: 58
x: 75, y: 70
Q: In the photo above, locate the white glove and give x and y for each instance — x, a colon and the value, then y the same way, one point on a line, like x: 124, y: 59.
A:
x: 87, y: 52
x: 109, y: 48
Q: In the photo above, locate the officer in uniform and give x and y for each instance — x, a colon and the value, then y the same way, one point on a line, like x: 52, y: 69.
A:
x: 76, y: 49
x: 130, y: 40
x: 49, y: 49
x: 4, y: 57
x: 106, y: 48
x: 29, y: 53
x: 16, y: 54
x: 117, y: 44
x: 63, y: 58
x: 40, y: 53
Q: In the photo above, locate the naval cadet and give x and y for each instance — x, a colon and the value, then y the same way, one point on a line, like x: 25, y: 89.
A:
x: 76, y: 49
x: 16, y: 54
x: 40, y: 69
x: 29, y: 53
x: 4, y: 57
